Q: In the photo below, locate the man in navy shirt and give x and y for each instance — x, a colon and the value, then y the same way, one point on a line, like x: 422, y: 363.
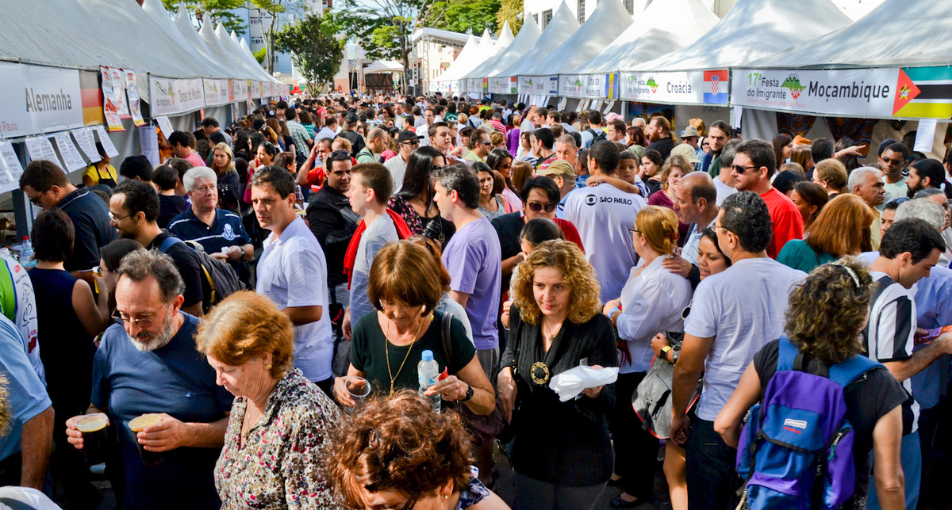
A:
x: 220, y: 232
x: 149, y: 365
x: 46, y: 186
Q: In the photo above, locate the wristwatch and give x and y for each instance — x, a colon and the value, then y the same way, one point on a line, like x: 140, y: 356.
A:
x: 469, y: 394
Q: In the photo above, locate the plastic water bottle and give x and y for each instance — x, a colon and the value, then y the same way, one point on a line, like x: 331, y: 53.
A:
x: 427, y: 372
x: 26, y: 253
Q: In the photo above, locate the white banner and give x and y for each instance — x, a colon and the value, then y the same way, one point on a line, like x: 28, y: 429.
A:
x: 239, y: 90
x: 213, y: 92
x: 581, y: 85
x: 503, y: 85
x: 545, y: 85
x: 192, y: 94
x: 690, y: 87
x: 162, y: 95
x: 474, y: 85
x: 848, y: 92
x: 254, y: 88
x: 53, y: 99
x: 11, y: 159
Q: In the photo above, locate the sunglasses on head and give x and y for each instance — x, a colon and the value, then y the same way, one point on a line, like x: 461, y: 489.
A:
x: 537, y: 207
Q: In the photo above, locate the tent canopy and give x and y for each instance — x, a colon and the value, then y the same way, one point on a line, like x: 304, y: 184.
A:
x: 606, y: 22
x: 528, y: 35
x: 502, y: 44
x: 466, y: 55
x: 753, y: 29
x: 183, y: 24
x: 903, y: 23
x: 234, y: 51
x: 562, y: 25
x: 383, y: 66
x: 653, y: 35
x: 160, y: 17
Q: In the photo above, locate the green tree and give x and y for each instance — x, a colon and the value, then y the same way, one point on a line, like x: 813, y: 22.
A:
x: 260, y: 55
x: 384, y: 28
x: 465, y: 15
x: 314, y: 48
x: 510, y: 10
x: 204, y: 10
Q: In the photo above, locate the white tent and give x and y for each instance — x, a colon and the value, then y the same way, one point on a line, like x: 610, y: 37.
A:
x: 383, y: 66
x: 461, y: 67
x: 54, y: 42
x: 903, y: 23
x: 653, y: 35
x: 753, y: 29
x: 562, y: 25
x: 245, y: 52
x: 607, y: 21
x: 502, y: 44
x: 207, y: 35
x: 160, y: 16
x: 235, y: 52
x: 528, y: 35
x: 141, y: 41
x: 183, y: 24
x: 447, y: 80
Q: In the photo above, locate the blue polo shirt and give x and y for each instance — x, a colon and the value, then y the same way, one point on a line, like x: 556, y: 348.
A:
x: 27, y: 394
x: 174, y: 379
x: 226, y: 230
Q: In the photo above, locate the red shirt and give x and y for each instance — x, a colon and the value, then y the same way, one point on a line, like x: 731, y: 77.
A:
x: 571, y: 233
x: 786, y: 218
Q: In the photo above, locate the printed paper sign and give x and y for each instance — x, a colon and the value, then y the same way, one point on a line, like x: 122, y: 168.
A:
x: 106, y: 142
x: 11, y: 160
x: 39, y: 147
x: 149, y: 144
x: 119, y: 92
x: 68, y: 152
x: 925, y: 136
x: 164, y: 125
x: 129, y: 79
x: 212, y: 92
x: 6, y: 177
x: 110, y: 101
x: 87, y: 143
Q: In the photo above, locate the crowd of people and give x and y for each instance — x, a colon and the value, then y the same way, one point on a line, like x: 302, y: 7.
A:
x: 248, y: 317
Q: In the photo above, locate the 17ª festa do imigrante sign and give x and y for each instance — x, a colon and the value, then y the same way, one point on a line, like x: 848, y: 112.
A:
x: 921, y: 92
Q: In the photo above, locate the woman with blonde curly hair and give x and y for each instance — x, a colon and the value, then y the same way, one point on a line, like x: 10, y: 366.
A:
x: 555, y: 325
x: 652, y: 301
x: 277, y: 414
x: 398, y: 453
x: 826, y: 315
x: 842, y: 228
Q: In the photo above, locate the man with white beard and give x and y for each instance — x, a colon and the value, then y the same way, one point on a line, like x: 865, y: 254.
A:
x: 149, y: 365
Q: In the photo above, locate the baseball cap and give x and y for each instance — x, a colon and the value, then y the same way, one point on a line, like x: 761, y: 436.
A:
x: 558, y: 167
x: 686, y: 151
x: 406, y: 136
x: 351, y: 118
x: 689, y: 132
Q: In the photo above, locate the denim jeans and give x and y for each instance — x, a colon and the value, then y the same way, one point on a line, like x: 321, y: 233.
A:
x: 711, y: 468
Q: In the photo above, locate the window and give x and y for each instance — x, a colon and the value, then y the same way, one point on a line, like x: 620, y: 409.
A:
x: 546, y: 17
x: 581, y: 11
x: 630, y: 6
x: 535, y: 17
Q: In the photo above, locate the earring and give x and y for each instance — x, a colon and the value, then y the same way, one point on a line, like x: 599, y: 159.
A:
x: 267, y: 367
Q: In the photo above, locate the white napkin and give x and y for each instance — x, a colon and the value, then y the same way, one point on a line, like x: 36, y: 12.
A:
x: 570, y: 383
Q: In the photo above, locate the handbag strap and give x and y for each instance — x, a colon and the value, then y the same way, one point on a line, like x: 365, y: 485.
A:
x: 446, y: 339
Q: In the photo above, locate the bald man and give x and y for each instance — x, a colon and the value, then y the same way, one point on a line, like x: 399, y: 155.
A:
x: 377, y: 141
x: 696, y: 204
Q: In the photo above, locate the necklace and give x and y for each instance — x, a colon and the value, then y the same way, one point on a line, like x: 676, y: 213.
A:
x: 393, y: 378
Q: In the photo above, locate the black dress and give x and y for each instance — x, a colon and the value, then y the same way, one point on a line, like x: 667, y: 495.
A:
x: 562, y: 443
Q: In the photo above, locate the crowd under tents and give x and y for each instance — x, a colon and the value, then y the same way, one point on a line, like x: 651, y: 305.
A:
x: 111, y: 53
x: 452, y: 80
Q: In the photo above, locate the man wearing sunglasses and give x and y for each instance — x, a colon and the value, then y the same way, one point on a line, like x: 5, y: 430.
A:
x: 481, y: 146
x: 893, y: 162
x: 563, y: 174
x: 752, y: 168
x: 407, y: 141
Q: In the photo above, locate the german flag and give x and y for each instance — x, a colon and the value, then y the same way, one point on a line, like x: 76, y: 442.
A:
x: 91, y: 94
x: 924, y: 92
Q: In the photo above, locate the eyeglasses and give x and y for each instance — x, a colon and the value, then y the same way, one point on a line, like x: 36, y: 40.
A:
x: 114, y: 219
x: 36, y: 201
x: 411, y: 142
x: 892, y: 162
x: 741, y: 169
x: 142, y: 323
x: 722, y: 228
x: 632, y: 230
x: 537, y: 207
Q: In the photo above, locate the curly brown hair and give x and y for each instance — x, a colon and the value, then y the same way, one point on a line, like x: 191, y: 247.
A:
x: 828, y: 309
x: 398, y: 444
x: 576, y: 271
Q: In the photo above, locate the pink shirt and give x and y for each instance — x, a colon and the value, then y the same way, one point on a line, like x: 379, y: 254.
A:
x: 195, y: 159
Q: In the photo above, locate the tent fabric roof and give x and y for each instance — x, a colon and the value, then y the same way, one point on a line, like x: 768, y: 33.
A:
x: 607, y: 21
x: 528, y: 35
x: 383, y: 66
x: 245, y: 51
x: 903, y: 23
x: 753, y: 29
x: 562, y: 25
x: 505, y: 40
x: 653, y: 35
x: 234, y: 51
x: 465, y: 55
x: 142, y: 42
x: 160, y: 16
x: 484, y: 50
x: 183, y: 23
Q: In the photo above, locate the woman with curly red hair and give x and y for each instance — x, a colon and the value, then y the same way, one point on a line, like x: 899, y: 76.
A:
x: 398, y: 453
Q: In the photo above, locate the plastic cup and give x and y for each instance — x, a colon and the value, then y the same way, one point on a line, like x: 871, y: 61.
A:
x: 93, y: 428
x: 359, y: 389
x: 148, y: 458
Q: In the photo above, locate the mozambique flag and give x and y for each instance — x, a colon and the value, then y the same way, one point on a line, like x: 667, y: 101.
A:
x: 91, y: 94
x: 924, y: 92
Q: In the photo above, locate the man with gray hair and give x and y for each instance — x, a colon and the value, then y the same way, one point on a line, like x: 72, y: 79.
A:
x: 867, y: 183
x: 220, y: 232
x: 938, y: 196
x: 148, y: 364
x: 696, y: 205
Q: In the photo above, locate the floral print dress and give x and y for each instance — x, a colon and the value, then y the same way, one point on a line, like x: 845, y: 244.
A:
x: 281, y: 465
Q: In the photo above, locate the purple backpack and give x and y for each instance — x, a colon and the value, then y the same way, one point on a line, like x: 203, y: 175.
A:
x: 796, y: 450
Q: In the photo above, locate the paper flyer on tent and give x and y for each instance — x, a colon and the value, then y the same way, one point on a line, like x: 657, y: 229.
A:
x: 110, y: 106
x: 164, y: 125
x: 119, y: 93
x: 68, y: 152
x: 6, y: 176
x: 11, y: 159
x: 39, y: 147
x: 106, y: 142
x: 149, y: 143
x: 129, y: 79
x: 87, y: 143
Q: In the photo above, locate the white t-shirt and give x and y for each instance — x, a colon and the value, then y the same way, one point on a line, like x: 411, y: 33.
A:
x: 742, y: 308
x: 398, y: 168
x: 723, y: 191
x: 292, y: 271
x: 603, y: 214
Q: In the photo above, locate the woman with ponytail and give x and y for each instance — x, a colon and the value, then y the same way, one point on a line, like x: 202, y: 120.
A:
x: 652, y: 301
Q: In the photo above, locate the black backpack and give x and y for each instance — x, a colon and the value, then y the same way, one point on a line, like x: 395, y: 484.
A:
x: 597, y: 135
x: 219, y: 279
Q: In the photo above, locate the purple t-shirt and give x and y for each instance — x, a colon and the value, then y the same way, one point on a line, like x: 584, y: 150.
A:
x: 474, y: 261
